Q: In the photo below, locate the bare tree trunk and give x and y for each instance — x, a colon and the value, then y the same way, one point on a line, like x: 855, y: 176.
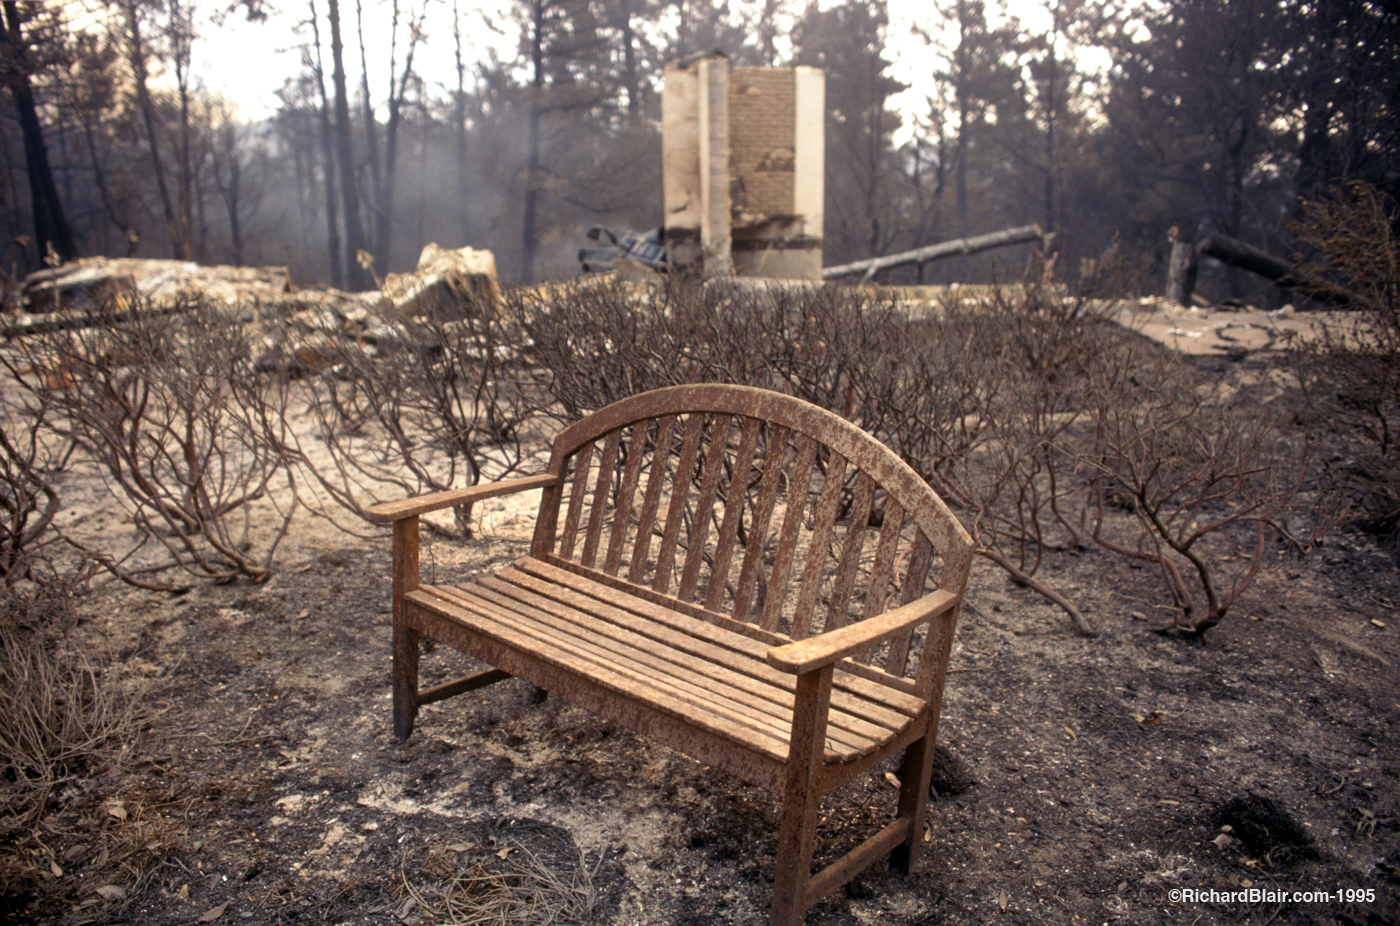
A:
x: 422, y: 185
x: 1235, y: 253
x: 50, y: 225
x: 527, y: 213
x: 1181, y: 277
x: 235, y: 222
x: 630, y: 79
x: 180, y: 31
x: 384, y: 212
x: 355, y: 277
x: 372, y: 126
x: 136, y: 57
x: 532, y: 155
x: 1051, y: 111
x: 930, y: 202
x: 328, y: 155
x: 962, y: 91
x: 459, y: 129
x: 99, y: 176
x: 229, y: 185
x: 303, y: 162
x: 1280, y: 272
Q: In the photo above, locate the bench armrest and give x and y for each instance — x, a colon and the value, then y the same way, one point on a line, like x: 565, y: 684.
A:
x: 389, y: 512
x: 827, y: 648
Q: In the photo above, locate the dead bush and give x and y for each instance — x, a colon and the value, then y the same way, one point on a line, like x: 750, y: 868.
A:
x: 972, y: 396
x: 434, y: 405
x: 601, y: 342
x: 983, y: 401
x: 1351, y: 374
x: 1208, y: 485
x: 61, y: 716
x: 1032, y: 414
x: 32, y: 458
x: 150, y: 399
x: 1352, y: 233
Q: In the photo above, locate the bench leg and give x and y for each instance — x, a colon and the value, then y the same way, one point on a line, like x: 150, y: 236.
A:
x: 793, y: 869
x: 405, y: 680
x: 792, y: 874
x: 914, y: 777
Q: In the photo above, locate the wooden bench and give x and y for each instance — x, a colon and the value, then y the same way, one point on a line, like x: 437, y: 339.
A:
x: 735, y: 573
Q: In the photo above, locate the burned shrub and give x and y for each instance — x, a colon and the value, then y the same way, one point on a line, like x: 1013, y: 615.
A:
x: 157, y: 401
x: 600, y: 342
x: 33, y: 455
x: 427, y: 404
x: 61, y: 715
x: 1351, y: 373
x: 1032, y: 414
x: 1207, y: 484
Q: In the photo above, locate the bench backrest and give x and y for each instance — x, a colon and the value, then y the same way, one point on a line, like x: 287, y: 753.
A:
x: 745, y: 505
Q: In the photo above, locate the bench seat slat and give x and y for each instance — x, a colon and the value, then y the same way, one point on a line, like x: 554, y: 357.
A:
x: 738, y: 638
x: 675, y: 634
x: 594, y: 635
x: 766, y: 689
x: 591, y: 647
x: 567, y: 659
x: 705, y: 697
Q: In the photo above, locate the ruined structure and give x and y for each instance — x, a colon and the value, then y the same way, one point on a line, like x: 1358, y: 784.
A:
x: 743, y: 168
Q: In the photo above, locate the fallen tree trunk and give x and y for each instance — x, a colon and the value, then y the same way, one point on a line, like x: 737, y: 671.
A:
x: 961, y: 246
x: 1236, y: 253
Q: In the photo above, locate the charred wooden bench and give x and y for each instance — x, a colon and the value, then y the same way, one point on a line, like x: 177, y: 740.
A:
x: 735, y: 573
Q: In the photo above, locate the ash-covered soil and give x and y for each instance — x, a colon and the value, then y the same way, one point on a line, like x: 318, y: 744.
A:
x: 1087, y: 779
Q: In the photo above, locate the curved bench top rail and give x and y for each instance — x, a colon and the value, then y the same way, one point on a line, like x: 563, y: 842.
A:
x: 855, y: 445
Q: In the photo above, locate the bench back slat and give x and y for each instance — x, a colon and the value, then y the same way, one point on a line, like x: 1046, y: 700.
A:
x: 818, y: 550
x: 679, y: 486
x: 626, y: 494
x: 656, y: 479
x: 920, y: 561
x: 701, y: 513
x: 857, y: 522
x: 735, y: 501
x: 755, y: 508
x: 581, y: 463
x: 882, y: 572
x: 606, y: 464
x: 768, y: 486
x: 798, y: 480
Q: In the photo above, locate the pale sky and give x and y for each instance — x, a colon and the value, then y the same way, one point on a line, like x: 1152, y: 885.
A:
x: 248, y: 62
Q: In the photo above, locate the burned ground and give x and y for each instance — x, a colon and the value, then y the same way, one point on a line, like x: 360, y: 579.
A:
x: 1089, y: 778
